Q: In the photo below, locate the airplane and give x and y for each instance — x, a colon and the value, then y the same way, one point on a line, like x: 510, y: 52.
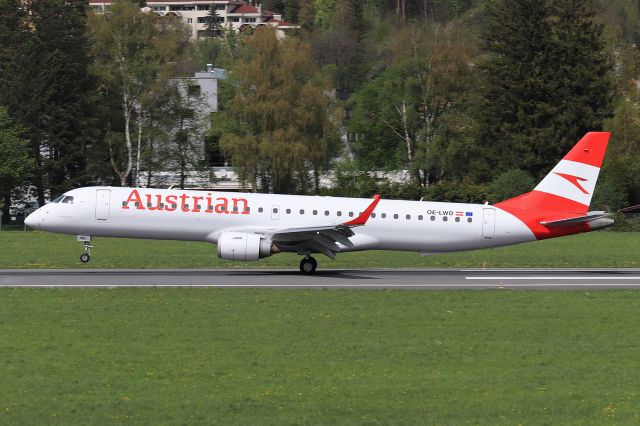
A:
x: 251, y: 226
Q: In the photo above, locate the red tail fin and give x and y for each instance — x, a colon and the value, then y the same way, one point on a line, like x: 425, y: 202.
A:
x: 565, y: 192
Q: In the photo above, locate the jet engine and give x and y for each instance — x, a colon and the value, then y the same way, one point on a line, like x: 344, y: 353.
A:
x: 243, y: 246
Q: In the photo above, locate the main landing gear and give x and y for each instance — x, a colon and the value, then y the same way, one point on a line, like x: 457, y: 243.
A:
x: 86, y: 243
x: 308, y: 265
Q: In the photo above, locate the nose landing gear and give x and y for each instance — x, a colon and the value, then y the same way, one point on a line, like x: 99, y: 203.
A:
x: 308, y: 265
x: 86, y: 243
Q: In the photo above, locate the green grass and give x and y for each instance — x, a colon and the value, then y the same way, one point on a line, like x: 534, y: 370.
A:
x: 248, y: 357
x: 45, y: 250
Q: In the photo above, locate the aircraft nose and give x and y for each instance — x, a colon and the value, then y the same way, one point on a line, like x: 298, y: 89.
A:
x: 34, y: 219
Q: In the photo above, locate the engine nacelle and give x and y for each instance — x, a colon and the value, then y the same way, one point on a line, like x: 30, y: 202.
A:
x: 242, y: 246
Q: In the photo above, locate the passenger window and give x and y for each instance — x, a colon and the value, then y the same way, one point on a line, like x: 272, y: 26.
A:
x: 288, y: 211
x: 420, y: 217
x: 260, y: 209
x: 235, y: 208
x: 315, y: 212
x: 444, y: 218
x: 301, y: 211
x: 210, y: 208
x: 408, y: 217
x: 373, y: 215
x: 457, y: 219
x: 137, y: 204
x: 395, y: 216
x: 432, y: 218
x: 350, y: 214
x: 186, y: 206
x: 339, y: 213
x: 247, y: 210
x: 326, y: 212
x: 383, y: 215
x: 199, y: 207
x: 469, y: 219
x: 174, y: 206
x: 275, y: 210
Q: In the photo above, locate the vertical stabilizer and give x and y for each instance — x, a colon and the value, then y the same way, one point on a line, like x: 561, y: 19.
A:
x: 565, y: 192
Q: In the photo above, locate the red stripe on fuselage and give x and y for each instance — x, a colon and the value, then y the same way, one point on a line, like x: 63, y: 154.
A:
x: 536, y: 206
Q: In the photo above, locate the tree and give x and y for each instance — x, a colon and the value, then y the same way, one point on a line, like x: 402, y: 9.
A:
x: 132, y: 50
x: 340, y: 46
x: 515, y: 111
x: 545, y: 83
x: 15, y: 162
x: 13, y: 34
x: 213, y: 22
x: 324, y: 10
x: 187, y: 110
x: 46, y: 86
x: 283, y: 114
x: 306, y: 16
x: 509, y: 184
x: 581, y: 81
x: 411, y: 115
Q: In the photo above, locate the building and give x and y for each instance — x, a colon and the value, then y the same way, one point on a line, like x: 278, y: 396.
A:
x: 236, y: 14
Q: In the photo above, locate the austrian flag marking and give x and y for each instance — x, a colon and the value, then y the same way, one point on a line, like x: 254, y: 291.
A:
x: 208, y: 203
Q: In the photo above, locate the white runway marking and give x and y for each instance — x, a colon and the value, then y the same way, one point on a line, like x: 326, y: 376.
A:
x: 551, y: 278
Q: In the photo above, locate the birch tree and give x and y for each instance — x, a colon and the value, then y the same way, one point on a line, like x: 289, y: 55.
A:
x: 399, y: 115
x: 131, y: 51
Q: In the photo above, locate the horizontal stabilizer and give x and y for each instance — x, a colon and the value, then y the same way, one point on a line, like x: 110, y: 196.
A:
x: 573, y: 221
x: 630, y: 210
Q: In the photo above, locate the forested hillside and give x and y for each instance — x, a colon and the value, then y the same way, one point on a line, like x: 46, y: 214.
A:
x: 474, y: 99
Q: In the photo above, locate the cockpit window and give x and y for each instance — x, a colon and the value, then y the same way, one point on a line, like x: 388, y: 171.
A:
x: 57, y: 200
x: 68, y: 199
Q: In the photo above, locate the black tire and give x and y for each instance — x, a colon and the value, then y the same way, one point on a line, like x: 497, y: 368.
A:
x: 84, y: 258
x: 308, y: 265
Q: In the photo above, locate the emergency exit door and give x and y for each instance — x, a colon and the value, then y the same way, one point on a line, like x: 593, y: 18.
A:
x: 103, y: 201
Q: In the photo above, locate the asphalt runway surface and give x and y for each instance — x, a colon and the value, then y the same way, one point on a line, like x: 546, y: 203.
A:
x: 405, y: 279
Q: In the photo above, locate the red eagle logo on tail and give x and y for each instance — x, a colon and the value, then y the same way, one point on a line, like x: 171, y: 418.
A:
x: 574, y: 180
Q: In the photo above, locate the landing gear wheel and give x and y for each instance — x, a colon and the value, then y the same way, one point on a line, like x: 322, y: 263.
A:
x: 86, y: 243
x: 308, y: 265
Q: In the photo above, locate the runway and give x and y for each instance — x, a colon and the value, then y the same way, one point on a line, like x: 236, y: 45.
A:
x: 390, y: 279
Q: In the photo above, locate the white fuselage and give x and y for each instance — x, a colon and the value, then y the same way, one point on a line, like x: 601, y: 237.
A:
x: 165, y: 214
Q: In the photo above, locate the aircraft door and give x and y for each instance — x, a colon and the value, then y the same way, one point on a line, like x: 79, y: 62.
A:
x: 103, y: 200
x: 275, y: 212
x: 488, y: 222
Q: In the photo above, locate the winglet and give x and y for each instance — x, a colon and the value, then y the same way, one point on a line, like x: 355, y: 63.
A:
x: 364, y: 216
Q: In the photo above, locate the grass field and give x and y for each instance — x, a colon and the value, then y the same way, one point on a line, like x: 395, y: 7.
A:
x: 45, y: 250
x: 254, y: 357
x: 277, y: 357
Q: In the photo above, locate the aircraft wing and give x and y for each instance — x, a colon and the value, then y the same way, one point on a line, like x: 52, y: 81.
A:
x: 321, y: 239
x: 573, y: 221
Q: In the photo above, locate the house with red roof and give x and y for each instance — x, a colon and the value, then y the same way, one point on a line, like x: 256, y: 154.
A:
x: 236, y: 14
